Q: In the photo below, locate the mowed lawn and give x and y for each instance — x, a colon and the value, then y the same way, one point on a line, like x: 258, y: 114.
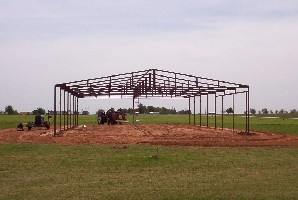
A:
x: 35, y: 171
x: 44, y: 171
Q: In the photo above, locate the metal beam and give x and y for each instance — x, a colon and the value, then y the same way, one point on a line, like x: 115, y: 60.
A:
x: 55, y: 111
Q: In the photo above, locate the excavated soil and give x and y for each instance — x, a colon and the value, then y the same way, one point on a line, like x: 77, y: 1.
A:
x: 183, y: 135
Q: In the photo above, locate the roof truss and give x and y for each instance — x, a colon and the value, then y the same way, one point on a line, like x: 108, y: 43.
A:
x: 151, y: 83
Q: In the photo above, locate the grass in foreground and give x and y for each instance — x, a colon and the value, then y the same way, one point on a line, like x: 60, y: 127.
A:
x: 30, y: 171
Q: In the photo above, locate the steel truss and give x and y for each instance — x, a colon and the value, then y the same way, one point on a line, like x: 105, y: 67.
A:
x: 144, y: 84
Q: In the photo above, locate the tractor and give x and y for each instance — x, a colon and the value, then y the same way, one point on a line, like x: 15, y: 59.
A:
x: 112, y: 117
x: 39, y: 122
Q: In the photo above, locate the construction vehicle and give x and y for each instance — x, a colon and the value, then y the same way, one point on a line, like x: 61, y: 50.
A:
x: 112, y: 117
x: 39, y: 122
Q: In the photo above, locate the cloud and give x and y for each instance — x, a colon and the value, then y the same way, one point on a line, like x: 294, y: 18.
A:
x: 49, y: 42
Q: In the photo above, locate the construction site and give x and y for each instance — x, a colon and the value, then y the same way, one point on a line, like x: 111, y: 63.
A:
x: 67, y: 129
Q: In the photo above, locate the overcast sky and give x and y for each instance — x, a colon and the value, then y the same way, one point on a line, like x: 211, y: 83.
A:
x: 43, y: 43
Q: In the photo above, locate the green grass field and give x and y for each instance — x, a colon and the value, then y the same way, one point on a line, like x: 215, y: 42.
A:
x: 43, y: 171
x: 32, y: 171
x: 258, y: 123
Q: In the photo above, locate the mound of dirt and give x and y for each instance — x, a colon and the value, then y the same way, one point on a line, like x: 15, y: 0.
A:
x: 184, y: 135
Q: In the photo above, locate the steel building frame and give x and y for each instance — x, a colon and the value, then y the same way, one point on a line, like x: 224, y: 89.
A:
x: 144, y: 84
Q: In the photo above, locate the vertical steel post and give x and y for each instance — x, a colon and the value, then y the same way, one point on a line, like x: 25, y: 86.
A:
x: 207, y: 111
x: 188, y: 110
x: 64, y: 110
x: 222, y: 111
x: 67, y: 112
x: 248, y: 111
x: 233, y: 112
x: 200, y: 110
x: 73, y: 111
x: 77, y: 111
x: 70, y: 125
x: 215, y: 112
x: 60, y: 107
x: 133, y: 110
x: 194, y: 110
x: 55, y: 102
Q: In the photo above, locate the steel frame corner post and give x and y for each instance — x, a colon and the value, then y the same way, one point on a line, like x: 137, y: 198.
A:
x: 215, y: 111
x: 55, y: 102
x: 133, y: 110
x: 70, y: 125
x: 73, y: 111
x: 222, y: 112
x: 233, y: 112
x: 194, y: 110
x: 67, y: 112
x: 60, y: 114
x: 77, y: 111
x: 200, y: 110
x: 246, y: 119
x: 207, y: 111
x: 248, y: 112
x: 64, y: 111
x: 188, y: 110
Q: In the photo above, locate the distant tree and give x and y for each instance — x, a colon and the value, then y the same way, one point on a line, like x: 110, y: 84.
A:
x: 150, y: 109
x: 230, y: 110
x: 282, y: 111
x: 165, y: 111
x: 259, y: 112
x: 10, y: 111
x: 129, y: 110
x: 293, y: 111
x: 184, y: 112
x: 276, y: 111
x: 253, y: 111
x: 265, y: 111
x: 271, y: 112
x: 173, y: 111
x: 142, y: 109
x: 39, y: 111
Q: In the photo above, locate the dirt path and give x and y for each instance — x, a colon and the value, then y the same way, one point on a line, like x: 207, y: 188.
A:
x: 183, y: 135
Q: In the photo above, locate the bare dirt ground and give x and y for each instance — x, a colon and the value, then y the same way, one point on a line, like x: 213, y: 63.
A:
x: 183, y: 135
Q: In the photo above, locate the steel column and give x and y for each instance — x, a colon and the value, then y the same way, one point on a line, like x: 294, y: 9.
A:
x: 64, y: 110
x: 215, y: 112
x: 77, y: 111
x: 200, y: 110
x: 188, y: 110
x: 248, y: 111
x: 133, y: 110
x: 70, y: 125
x: 233, y: 112
x: 73, y: 111
x: 194, y: 110
x: 207, y: 111
x: 222, y: 111
x: 55, y: 102
x: 67, y: 112
x: 60, y: 114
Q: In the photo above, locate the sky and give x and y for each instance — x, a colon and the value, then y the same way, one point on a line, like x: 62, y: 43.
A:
x: 45, y: 42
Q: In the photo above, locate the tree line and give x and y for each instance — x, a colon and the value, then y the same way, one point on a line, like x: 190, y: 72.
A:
x: 142, y: 109
x: 9, y: 110
x: 265, y: 111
